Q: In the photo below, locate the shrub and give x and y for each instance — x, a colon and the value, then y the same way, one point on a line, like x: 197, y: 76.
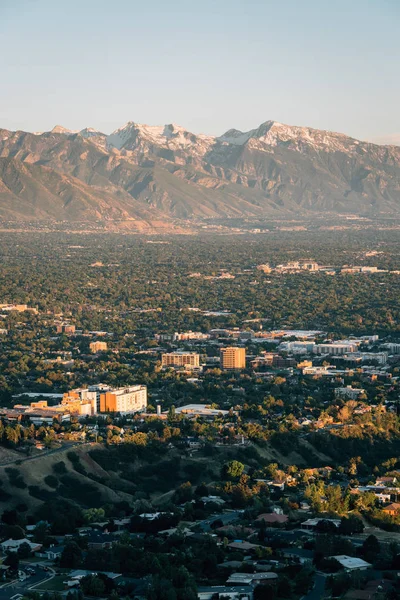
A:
x: 15, y: 478
x: 60, y: 468
x: 51, y: 481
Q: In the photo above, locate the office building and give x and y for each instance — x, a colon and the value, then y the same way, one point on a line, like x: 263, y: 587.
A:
x: 233, y: 358
x: 348, y: 392
x: 124, y: 400
x: 98, y: 347
x: 65, y: 328
x: 335, y: 348
x: 181, y: 359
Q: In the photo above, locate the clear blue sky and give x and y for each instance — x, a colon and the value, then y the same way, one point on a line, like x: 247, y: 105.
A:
x: 206, y: 65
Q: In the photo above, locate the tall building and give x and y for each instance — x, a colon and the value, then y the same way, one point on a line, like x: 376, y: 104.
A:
x: 233, y: 358
x: 98, y: 347
x: 124, y: 400
x: 65, y: 328
x: 180, y: 359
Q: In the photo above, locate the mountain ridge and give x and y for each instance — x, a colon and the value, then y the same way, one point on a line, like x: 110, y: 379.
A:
x: 165, y: 173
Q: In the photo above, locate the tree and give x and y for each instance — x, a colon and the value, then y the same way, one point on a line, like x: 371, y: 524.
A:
x: 371, y: 548
x: 93, y: 585
x: 71, y: 556
x: 351, y: 524
x: 12, y: 561
x: 24, y: 551
x: 92, y: 515
x: 233, y: 469
x: 184, y: 493
x: 325, y: 526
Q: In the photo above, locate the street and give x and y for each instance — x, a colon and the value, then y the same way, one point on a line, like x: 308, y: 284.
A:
x: 17, y: 588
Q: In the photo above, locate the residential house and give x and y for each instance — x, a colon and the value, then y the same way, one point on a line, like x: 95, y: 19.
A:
x: 392, y: 509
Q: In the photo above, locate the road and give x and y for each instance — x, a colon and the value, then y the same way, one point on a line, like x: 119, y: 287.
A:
x: 317, y: 591
x: 65, y: 446
x: 17, y: 588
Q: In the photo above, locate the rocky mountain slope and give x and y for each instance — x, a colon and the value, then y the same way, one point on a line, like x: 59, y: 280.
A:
x: 142, y: 176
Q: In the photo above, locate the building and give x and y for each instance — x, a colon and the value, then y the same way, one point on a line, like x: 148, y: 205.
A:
x: 51, y: 553
x: 78, y: 404
x: 274, y: 518
x: 312, y: 524
x: 181, y: 359
x: 124, y: 400
x: 190, y: 335
x: 91, y: 395
x: 100, y: 541
x: 394, y: 348
x: 351, y: 563
x: 65, y: 328
x: 348, y: 392
x: 280, y: 362
x: 39, y: 412
x: 98, y: 347
x: 335, y: 348
x: 252, y: 579
x: 265, y: 268
x: 308, y: 265
x: 297, y: 347
x: 233, y: 358
x: 377, y: 357
x: 200, y: 410
x: 14, y: 545
x: 393, y: 509
x: 227, y: 593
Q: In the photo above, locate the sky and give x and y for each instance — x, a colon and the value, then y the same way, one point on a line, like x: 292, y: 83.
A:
x: 206, y: 65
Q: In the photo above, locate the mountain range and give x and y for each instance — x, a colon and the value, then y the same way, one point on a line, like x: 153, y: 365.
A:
x: 144, y: 177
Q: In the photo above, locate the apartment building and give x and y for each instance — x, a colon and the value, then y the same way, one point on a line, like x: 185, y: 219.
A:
x: 124, y: 400
x: 190, y: 335
x: 233, y: 358
x: 297, y: 347
x: 181, y: 359
x: 348, y: 392
x: 394, y: 348
x: 98, y: 347
x: 80, y: 404
x: 66, y: 328
x: 335, y: 348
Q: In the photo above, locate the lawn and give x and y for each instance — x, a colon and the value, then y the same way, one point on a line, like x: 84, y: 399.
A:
x: 52, y: 585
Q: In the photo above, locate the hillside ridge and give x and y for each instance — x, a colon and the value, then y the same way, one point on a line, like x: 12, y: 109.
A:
x: 152, y: 176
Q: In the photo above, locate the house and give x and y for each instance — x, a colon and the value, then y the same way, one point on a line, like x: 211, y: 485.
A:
x: 300, y: 554
x: 100, y: 541
x: 351, y: 563
x: 242, y: 545
x: 392, y: 509
x: 14, y: 545
x: 221, y: 591
x: 150, y: 516
x: 386, y: 480
x: 253, y: 579
x: 273, y: 518
x: 51, y: 553
x: 279, y: 485
x: 311, y: 524
x: 214, y: 499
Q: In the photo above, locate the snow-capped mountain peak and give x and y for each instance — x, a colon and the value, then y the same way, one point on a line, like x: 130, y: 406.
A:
x: 63, y: 130
x: 171, y: 135
x: 89, y: 132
